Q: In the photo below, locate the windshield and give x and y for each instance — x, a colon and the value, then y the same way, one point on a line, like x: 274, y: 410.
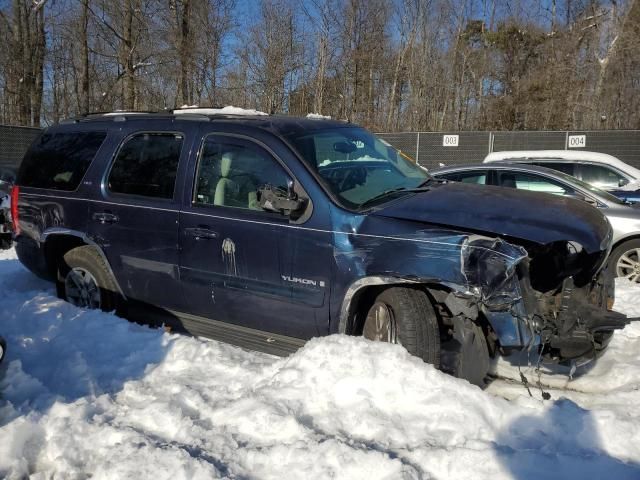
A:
x: 358, y: 167
x: 590, y: 188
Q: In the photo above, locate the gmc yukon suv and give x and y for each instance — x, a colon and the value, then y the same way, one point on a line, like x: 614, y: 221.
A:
x: 266, y: 231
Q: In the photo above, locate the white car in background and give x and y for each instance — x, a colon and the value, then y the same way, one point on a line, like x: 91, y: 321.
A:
x: 598, y: 169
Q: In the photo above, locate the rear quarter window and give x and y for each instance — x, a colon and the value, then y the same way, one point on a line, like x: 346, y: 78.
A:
x: 58, y: 161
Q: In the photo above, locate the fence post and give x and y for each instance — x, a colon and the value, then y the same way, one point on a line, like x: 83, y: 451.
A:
x: 418, y: 148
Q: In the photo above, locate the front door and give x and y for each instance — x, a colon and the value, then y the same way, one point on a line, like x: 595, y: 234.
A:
x: 231, y: 262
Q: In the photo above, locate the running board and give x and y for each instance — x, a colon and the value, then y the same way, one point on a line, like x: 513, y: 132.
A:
x: 244, y: 337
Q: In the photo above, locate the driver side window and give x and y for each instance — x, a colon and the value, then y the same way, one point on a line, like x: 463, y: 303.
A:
x: 230, y: 174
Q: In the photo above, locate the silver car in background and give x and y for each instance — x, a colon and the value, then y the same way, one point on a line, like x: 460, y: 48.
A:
x: 624, y: 218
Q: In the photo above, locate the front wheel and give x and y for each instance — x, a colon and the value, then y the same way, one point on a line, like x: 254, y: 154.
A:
x: 624, y: 260
x: 405, y: 316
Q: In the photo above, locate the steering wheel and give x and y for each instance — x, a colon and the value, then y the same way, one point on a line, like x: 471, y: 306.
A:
x: 355, y: 176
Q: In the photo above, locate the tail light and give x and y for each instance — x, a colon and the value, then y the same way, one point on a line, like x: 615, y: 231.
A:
x: 15, y: 193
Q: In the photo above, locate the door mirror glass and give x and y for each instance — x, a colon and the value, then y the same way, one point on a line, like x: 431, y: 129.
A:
x: 622, y: 182
x: 279, y: 200
x: 577, y: 196
x: 345, y: 147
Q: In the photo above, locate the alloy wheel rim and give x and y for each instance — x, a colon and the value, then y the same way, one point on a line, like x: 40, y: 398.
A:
x: 81, y: 289
x: 380, y: 324
x: 628, y: 265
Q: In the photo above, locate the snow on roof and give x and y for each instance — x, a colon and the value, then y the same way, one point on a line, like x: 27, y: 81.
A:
x: 570, y: 155
x: 228, y: 110
x: 318, y: 116
x: 123, y: 112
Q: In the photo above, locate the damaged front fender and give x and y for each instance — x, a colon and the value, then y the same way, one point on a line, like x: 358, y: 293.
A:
x: 518, y: 291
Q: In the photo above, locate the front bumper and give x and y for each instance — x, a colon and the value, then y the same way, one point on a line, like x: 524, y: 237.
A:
x: 563, y: 313
x: 567, y: 325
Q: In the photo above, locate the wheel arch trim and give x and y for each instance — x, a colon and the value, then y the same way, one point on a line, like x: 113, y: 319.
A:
x: 346, y: 310
x: 628, y: 238
x: 60, y: 231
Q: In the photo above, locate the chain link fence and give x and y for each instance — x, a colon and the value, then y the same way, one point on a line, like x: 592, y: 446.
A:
x: 432, y: 149
x: 14, y: 142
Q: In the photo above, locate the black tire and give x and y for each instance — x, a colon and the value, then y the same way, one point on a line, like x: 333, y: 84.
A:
x: 466, y: 354
x: 416, y: 324
x: 88, y: 259
x: 3, y: 349
x: 618, y: 252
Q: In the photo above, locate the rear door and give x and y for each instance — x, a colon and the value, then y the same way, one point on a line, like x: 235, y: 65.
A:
x: 136, y: 215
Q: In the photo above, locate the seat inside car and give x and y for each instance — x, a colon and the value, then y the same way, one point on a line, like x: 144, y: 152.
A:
x: 508, y: 180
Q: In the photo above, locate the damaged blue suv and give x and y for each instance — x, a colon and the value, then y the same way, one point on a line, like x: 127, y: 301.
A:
x: 266, y: 231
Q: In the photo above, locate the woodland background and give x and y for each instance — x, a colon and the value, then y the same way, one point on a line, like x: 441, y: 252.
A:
x: 391, y: 65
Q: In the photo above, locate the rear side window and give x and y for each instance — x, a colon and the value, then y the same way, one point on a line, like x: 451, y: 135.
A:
x: 59, y: 161
x: 567, y: 168
x: 146, y: 165
x: 523, y: 181
x: 479, y: 178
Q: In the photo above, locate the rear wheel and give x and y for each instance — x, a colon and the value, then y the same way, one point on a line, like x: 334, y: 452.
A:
x: 624, y: 261
x: 85, y: 281
x: 3, y: 349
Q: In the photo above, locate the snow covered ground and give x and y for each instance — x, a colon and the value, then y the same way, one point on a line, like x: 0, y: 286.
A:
x: 86, y: 394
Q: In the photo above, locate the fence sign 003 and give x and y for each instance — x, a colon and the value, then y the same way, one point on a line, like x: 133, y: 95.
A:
x: 450, y: 140
x: 577, y: 141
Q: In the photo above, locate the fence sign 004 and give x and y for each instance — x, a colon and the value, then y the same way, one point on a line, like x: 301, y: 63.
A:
x: 577, y: 141
x: 450, y: 140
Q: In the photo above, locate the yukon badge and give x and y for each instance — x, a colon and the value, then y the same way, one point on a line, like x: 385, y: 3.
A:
x: 303, y: 281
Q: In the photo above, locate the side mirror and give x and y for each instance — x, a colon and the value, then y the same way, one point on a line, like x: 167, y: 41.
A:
x: 622, y: 182
x: 576, y: 196
x: 583, y: 198
x: 275, y: 199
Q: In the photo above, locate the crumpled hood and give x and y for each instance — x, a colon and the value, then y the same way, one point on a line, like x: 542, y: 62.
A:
x: 537, y: 217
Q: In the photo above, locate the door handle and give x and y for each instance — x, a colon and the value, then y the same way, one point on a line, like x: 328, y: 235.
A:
x: 200, y: 232
x: 105, y: 217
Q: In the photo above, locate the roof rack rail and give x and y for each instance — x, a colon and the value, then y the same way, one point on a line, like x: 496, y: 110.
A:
x: 115, y: 114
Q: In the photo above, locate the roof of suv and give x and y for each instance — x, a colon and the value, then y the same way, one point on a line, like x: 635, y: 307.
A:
x: 281, y: 124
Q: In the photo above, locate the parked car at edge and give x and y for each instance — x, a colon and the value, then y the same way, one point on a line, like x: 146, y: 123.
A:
x: 7, y: 178
x: 598, y: 169
x: 3, y: 349
x: 624, y: 260
x: 266, y: 231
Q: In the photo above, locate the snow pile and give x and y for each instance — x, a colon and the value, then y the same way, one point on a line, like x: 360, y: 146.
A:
x: 89, y: 394
x: 317, y: 116
x: 228, y: 110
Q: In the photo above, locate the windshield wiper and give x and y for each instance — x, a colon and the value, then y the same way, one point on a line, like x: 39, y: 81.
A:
x: 427, y: 181
x: 391, y: 191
